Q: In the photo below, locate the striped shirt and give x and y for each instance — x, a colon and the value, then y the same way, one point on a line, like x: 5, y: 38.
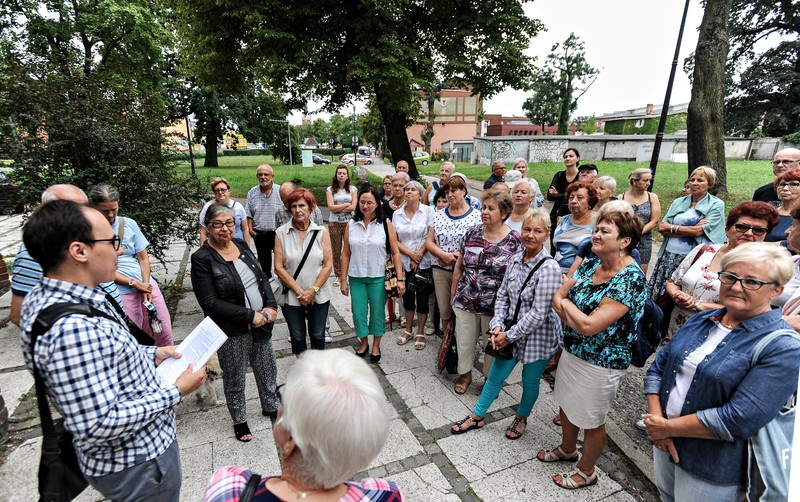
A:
x: 261, y: 208
x: 538, y: 330
x: 228, y: 483
x: 102, y: 381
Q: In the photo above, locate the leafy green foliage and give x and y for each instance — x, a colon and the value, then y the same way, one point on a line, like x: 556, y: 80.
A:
x: 543, y: 106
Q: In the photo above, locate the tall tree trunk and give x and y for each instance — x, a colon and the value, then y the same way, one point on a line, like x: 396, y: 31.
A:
x: 395, y: 121
x: 566, y: 101
x: 706, y: 143
x: 212, y: 140
x: 428, y: 132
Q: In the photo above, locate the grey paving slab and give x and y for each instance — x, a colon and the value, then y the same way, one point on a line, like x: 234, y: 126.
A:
x: 13, y: 385
x: 22, y: 464
x: 10, y: 350
x: 197, y: 466
x: 401, y: 443
x: 425, y: 484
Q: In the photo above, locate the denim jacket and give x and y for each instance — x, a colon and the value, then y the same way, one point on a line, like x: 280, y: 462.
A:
x: 729, y: 397
x: 220, y: 292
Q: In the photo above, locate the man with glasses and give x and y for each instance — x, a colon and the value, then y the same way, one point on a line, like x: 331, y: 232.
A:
x: 263, y: 201
x: 222, y: 195
x: 498, y: 171
x: 785, y: 160
x: 99, y: 378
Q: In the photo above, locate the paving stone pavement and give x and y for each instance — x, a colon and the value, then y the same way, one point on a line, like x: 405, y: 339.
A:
x: 420, y: 454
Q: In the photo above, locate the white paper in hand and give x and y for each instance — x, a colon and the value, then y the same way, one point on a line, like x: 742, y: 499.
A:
x: 201, y: 343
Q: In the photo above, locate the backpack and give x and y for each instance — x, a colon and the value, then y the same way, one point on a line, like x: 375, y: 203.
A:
x: 647, y: 333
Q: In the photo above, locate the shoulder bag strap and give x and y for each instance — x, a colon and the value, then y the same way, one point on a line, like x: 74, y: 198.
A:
x: 250, y: 488
x: 386, y: 233
x: 762, y: 344
x: 121, y: 228
x: 527, y: 279
x: 305, y: 255
x: 141, y: 335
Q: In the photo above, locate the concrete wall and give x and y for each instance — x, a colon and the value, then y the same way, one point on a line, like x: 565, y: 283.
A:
x: 601, y: 147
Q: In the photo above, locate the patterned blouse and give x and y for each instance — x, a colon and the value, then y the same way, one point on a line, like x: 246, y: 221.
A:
x: 483, y: 270
x: 449, y: 230
x: 611, y: 348
x: 694, y: 276
x: 567, y: 238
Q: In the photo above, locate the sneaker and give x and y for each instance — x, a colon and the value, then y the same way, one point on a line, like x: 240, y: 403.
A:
x: 328, y: 337
x: 430, y: 330
x: 640, y: 425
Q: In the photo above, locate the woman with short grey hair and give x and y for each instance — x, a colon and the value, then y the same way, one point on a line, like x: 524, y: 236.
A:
x: 537, y: 198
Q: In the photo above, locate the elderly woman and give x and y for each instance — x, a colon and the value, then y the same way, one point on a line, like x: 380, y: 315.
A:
x: 596, y: 306
x: 647, y: 208
x: 368, y: 241
x: 483, y: 258
x: 695, y: 286
x: 445, y: 239
x: 445, y: 172
x: 705, y: 398
x: 606, y: 187
x: 324, y: 391
x: 222, y: 193
x: 521, y: 165
x: 575, y: 228
x: 341, y: 198
x: 399, y: 181
x: 387, y: 193
x: 137, y: 287
x: 303, y: 265
x: 787, y: 186
x: 523, y: 316
x: 235, y: 293
x: 412, y: 222
x: 698, y: 218
x: 521, y: 197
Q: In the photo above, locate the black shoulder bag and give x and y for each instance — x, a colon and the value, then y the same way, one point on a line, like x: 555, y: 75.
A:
x: 507, y: 352
x: 141, y: 335
x: 60, y: 477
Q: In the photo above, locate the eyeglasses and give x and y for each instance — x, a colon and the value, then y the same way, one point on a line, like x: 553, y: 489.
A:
x: 220, y: 190
x: 778, y: 162
x: 115, y: 241
x: 742, y: 229
x: 220, y: 224
x: 748, y: 283
x: 789, y: 184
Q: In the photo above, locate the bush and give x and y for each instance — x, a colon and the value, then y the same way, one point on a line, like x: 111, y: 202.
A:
x: 440, y: 156
x: 244, y: 152
x: 332, y: 152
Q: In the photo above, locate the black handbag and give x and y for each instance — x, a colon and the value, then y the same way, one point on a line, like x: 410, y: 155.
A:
x: 507, y: 352
x: 60, y: 476
x: 421, y: 281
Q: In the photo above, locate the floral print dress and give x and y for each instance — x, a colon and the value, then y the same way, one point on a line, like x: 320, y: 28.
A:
x: 694, y: 276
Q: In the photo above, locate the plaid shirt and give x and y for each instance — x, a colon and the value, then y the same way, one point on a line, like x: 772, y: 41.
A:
x: 102, y: 382
x: 228, y: 483
x: 538, y: 330
x: 261, y: 208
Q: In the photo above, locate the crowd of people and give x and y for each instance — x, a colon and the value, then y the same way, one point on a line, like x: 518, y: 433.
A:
x: 478, y: 267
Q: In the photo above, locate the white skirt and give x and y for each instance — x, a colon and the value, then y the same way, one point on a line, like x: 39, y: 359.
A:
x: 584, y: 391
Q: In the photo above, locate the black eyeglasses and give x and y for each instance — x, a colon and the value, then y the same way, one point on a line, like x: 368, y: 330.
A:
x: 220, y: 224
x: 749, y: 283
x: 115, y: 241
x: 742, y: 229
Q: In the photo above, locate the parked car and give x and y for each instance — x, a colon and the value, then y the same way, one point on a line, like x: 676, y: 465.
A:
x: 319, y: 159
x: 422, y: 158
x: 362, y: 159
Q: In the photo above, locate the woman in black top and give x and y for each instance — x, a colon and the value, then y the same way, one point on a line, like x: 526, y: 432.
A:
x: 558, y: 187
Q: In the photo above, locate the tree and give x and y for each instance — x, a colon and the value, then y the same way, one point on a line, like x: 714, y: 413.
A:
x: 384, y: 48
x: 704, y: 124
x: 587, y: 125
x: 371, y: 123
x: 430, y: 95
x: 575, y: 75
x: 85, y: 91
x: 542, y: 108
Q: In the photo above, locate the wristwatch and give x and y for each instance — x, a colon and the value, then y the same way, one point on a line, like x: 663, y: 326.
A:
x: 130, y: 282
x: 316, y: 290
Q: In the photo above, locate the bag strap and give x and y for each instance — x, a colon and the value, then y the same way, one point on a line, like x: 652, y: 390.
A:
x: 762, y: 344
x: 44, y: 321
x: 527, y: 279
x: 141, y: 336
x: 305, y: 255
x: 121, y: 227
x: 386, y: 233
x: 250, y: 488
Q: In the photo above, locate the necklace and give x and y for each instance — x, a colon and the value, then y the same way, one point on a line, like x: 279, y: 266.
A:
x: 726, y: 326
x: 303, y: 494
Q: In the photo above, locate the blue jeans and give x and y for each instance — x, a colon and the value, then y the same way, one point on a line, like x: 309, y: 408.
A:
x: 296, y: 316
x: 498, y: 372
x: 676, y: 485
x: 156, y: 479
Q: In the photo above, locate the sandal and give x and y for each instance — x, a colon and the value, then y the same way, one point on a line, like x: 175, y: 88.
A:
x: 512, y: 432
x: 557, y: 419
x: 570, y: 484
x: 458, y: 427
x: 463, y: 383
x: 557, y: 454
x: 404, y: 338
x: 419, y: 342
x: 241, y: 430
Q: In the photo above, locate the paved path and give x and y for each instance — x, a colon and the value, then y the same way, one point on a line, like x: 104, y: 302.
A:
x: 420, y: 454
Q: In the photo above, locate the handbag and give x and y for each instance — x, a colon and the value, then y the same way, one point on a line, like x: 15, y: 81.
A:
x: 507, y: 352
x: 390, y: 275
x: 421, y: 281
x: 447, y: 357
x: 769, y: 451
x: 665, y: 302
x: 60, y: 476
x: 281, y: 297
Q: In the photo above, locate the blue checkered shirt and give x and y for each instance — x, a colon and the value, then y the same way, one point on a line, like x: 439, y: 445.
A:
x: 261, y: 208
x: 537, y: 333
x: 102, y: 381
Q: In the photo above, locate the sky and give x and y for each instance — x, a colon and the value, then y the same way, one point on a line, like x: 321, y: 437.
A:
x: 631, y: 42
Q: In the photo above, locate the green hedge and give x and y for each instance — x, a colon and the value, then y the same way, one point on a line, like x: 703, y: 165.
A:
x: 244, y: 152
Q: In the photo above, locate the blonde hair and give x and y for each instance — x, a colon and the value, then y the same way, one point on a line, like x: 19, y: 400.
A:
x: 775, y: 258
x: 538, y: 216
x: 707, y: 173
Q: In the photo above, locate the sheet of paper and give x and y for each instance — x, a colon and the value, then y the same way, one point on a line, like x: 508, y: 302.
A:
x: 201, y: 344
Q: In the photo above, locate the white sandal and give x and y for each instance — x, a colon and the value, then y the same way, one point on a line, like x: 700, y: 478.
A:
x: 404, y: 338
x: 570, y: 484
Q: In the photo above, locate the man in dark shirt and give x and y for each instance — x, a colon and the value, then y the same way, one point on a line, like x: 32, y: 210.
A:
x: 785, y: 160
x: 498, y: 171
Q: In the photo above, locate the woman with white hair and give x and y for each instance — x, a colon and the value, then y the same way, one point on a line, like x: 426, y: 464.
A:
x: 444, y: 175
x: 647, y: 208
x: 324, y: 391
x: 706, y: 398
x: 412, y: 222
x: 537, y: 199
x: 606, y: 187
x: 521, y: 195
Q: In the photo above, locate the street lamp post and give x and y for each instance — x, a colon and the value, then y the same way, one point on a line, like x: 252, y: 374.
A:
x: 288, y: 137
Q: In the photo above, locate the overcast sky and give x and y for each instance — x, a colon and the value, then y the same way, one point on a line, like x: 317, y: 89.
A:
x: 631, y: 42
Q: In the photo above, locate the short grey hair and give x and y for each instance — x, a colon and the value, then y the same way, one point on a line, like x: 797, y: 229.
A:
x: 338, y: 416
x: 64, y: 191
x: 215, y: 210
x: 707, y: 173
x: 615, y: 206
x: 448, y: 163
x: 606, y: 180
x: 401, y: 176
x: 637, y: 174
x: 103, y: 193
x: 519, y: 161
x: 538, y: 216
x: 416, y: 185
x: 776, y: 258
